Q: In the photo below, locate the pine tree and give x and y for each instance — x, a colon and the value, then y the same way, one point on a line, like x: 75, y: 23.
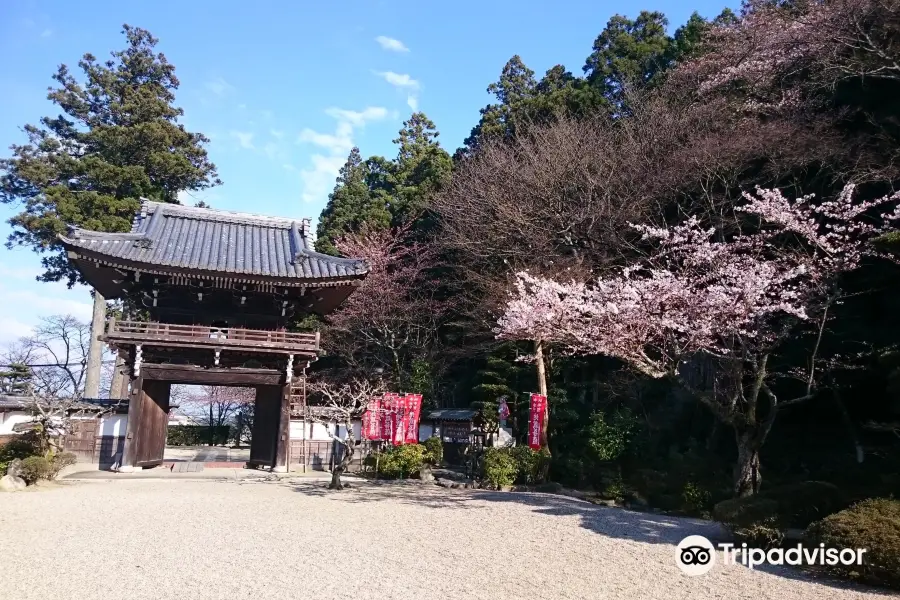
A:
x: 118, y: 139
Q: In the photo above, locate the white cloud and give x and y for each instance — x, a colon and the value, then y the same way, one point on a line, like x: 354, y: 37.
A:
x: 46, y: 33
x: 340, y: 142
x: 7, y: 272
x: 244, y: 138
x: 391, y: 44
x: 319, y: 178
x: 13, y: 329
x: 277, y: 133
x: 219, y: 86
x: 399, y: 80
x: 413, y: 101
x: 358, y: 118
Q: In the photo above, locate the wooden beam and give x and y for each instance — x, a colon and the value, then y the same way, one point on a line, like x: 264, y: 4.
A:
x: 196, y: 375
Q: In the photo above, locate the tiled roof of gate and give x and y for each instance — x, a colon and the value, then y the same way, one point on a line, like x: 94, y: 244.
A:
x: 205, y: 239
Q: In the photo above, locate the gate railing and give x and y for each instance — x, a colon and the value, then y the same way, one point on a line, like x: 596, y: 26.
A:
x: 153, y: 333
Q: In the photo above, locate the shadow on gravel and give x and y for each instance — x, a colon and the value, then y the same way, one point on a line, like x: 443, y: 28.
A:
x: 611, y: 522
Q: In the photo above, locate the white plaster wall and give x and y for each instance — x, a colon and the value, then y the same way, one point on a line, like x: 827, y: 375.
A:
x: 319, y: 432
x: 10, y: 419
x: 112, y: 425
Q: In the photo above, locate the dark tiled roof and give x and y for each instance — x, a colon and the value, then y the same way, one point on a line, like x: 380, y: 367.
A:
x: 204, y: 239
x: 15, y: 403
x: 451, y: 414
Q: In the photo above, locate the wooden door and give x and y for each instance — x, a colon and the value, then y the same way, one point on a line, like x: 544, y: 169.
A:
x: 266, y: 418
x: 150, y: 442
x: 82, y: 439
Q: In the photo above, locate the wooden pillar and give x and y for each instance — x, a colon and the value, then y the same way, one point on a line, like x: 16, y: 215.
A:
x: 95, y: 348
x: 133, y: 425
x: 283, y: 441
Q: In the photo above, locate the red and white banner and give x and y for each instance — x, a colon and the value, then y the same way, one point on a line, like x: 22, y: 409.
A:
x: 536, y: 420
x: 413, y: 411
x: 371, y: 420
x: 393, y: 418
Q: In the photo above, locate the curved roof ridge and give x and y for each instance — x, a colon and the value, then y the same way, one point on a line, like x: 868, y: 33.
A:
x: 215, y: 214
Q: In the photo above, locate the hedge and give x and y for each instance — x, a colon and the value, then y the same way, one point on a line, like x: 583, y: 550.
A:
x: 197, y: 435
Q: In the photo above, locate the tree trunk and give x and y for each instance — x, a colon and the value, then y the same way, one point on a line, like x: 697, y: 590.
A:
x: 95, y: 349
x: 542, y: 390
x: 341, y: 467
x: 747, y: 476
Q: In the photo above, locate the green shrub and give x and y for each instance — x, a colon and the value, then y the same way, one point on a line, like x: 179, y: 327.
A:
x: 695, y: 500
x: 531, y: 465
x: 753, y: 519
x: 765, y: 516
x: 399, y: 461
x: 35, y: 468
x: 500, y: 468
x: 611, y: 436
x: 872, y: 524
x: 801, y: 503
x: 59, y: 461
x: 197, y: 435
x: 21, y: 447
x: 434, y: 451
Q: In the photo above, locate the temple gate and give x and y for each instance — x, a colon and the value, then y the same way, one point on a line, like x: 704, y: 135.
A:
x: 209, y: 297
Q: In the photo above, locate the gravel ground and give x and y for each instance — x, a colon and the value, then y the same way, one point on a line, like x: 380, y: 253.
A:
x: 255, y: 539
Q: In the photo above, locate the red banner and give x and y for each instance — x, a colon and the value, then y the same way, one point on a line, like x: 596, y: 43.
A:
x: 389, y: 416
x: 413, y: 410
x: 400, y: 421
x: 536, y: 420
x: 371, y: 420
x: 393, y: 418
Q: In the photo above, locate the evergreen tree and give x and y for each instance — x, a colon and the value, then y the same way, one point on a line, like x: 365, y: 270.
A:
x: 629, y: 53
x: 118, y: 138
x: 16, y: 379
x: 422, y: 167
x: 351, y: 205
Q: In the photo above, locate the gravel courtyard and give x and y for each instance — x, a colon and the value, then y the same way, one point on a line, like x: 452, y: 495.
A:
x: 185, y: 540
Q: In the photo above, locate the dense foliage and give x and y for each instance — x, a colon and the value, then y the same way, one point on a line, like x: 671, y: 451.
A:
x: 872, y: 524
x: 117, y: 139
x: 570, y: 178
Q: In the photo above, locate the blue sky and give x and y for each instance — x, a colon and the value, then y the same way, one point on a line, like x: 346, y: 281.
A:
x: 284, y: 89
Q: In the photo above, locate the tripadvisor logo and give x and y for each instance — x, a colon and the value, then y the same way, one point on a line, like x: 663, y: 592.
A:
x: 696, y: 555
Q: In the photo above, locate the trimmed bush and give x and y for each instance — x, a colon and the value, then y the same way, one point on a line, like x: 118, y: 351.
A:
x: 399, y: 461
x: 500, y: 468
x: 872, y: 524
x: 434, y: 451
x: 21, y: 447
x: 804, y: 502
x: 762, y: 518
x: 197, y: 435
x: 61, y: 461
x: 35, y: 468
x: 753, y: 519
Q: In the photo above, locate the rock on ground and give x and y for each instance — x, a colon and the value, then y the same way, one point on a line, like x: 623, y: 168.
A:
x: 253, y: 539
x: 11, y: 483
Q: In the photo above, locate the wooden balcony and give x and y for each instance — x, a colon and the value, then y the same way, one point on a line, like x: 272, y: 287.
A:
x: 199, y: 336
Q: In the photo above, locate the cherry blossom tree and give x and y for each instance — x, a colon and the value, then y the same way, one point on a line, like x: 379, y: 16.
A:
x: 393, y: 318
x: 710, y: 309
x: 337, y: 404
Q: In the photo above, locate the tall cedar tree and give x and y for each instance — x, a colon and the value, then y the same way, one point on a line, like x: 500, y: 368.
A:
x: 350, y: 205
x: 376, y: 194
x: 118, y: 139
